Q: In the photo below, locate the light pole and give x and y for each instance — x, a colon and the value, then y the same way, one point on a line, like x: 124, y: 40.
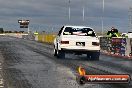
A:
x: 130, y: 16
x: 83, y: 11
x: 69, y: 10
x: 103, y: 18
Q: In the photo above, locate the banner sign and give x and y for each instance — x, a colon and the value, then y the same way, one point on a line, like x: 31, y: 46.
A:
x: 23, y: 23
x: 114, y: 45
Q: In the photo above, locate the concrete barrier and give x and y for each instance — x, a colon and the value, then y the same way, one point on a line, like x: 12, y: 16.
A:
x: 21, y: 35
x: 46, y: 38
x: 17, y: 35
x: 29, y: 37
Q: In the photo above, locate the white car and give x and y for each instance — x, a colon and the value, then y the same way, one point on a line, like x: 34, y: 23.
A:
x: 78, y: 40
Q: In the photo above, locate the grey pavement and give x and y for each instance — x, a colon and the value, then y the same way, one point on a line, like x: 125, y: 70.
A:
x: 29, y: 64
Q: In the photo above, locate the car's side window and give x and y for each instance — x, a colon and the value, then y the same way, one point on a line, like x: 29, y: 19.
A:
x: 60, y: 31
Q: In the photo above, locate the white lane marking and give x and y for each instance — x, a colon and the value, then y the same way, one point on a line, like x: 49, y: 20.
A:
x: 1, y: 81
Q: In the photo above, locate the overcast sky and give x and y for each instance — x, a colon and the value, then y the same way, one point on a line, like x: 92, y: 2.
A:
x: 48, y: 14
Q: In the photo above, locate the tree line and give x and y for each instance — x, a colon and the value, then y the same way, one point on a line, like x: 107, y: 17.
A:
x: 2, y: 31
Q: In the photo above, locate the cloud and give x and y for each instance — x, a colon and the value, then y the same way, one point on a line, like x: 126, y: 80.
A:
x: 52, y: 13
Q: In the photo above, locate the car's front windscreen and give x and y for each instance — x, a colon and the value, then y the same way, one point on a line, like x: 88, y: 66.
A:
x: 79, y: 31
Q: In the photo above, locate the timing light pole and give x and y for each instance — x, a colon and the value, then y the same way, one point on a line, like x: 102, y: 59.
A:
x: 69, y: 10
x: 103, y: 18
x: 83, y: 12
x: 130, y: 16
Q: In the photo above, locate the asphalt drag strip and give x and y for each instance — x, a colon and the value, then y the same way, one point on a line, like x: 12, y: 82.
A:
x: 73, y: 64
x: 24, y: 68
x: 29, y: 64
x: 2, y: 81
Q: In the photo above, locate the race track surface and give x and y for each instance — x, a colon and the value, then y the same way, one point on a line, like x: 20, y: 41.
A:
x: 30, y: 64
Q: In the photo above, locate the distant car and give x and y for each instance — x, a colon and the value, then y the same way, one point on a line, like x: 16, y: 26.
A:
x: 77, y: 40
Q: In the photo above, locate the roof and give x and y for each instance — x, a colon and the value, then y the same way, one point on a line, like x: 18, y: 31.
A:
x: 77, y: 26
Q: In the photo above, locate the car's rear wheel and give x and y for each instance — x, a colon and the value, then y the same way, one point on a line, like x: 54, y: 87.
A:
x: 88, y: 55
x: 60, y: 54
x: 93, y: 55
x: 55, y: 52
